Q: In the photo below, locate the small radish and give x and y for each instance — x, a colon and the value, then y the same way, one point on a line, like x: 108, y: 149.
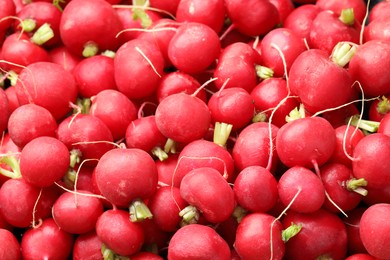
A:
x: 118, y: 233
x: 215, y: 200
x: 301, y: 19
x: 87, y: 246
x: 30, y: 121
x: 374, y: 230
x: 146, y: 255
x: 190, y: 36
x: 166, y: 170
x: 81, y: 27
x: 48, y: 85
x: 379, y: 108
x: 77, y: 213
x: 155, y: 238
x: 377, y: 30
x: 35, y: 244
x: 115, y: 110
x: 43, y: 161
x: 10, y: 247
x: 360, y: 257
x: 259, y: 236
x: 197, y: 241
x: 256, y: 189
x: 138, y: 67
x: 5, y: 111
x: 384, y: 125
x: 189, y: 123
x: 358, y: 6
x: 62, y: 56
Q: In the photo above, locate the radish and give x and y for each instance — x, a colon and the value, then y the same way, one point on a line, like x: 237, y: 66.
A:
x: 62, y: 56
x: 379, y: 108
x: 259, y: 236
x: 167, y: 5
x: 166, y: 170
x: 256, y: 189
x: 352, y: 225
x: 77, y: 213
x: 138, y: 67
x: 197, y: 242
x: 155, y: 239
x: 188, y: 126
x: 360, y: 257
x: 30, y: 121
x: 81, y: 27
x: 146, y: 255
x: 379, y: 10
x: 35, y: 245
x: 384, y: 126
x: 115, y: 110
x: 377, y: 30
x: 118, y: 233
x: 5, y: 111
x: 13, y: 101
x: 37, y: 164
x: 7, y: 9
x: 317, y: 229
x: 48, y: 85
x: 374, y: 230
x: 125, y: 177
x: 358, y: 6
x: 340, y: 116
x: 284, y: 7
x: 87, y: 246
x: 190, y: 36
x: 211, y: 13
x: 301, y: 19
x: 89, y: 84
x: 215, y: 200
x: 10, y: 247
x: 18, y: 199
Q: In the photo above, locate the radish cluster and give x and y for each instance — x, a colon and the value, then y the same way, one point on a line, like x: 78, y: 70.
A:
x: 192, y: 129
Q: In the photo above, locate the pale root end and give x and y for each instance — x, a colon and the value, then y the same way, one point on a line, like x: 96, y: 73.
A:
x: 28, y: 25
x: 239, y: 213
x: 357, y: 185
x: 12, y: 162
x: 260, y: 117
x: 170, y: 146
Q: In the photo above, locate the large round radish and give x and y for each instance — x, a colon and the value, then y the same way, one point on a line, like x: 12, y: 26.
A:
x: 189, y: 37
x: 197, y: 241
x: 190, y: 122
x: 4, y: 110
x: 10, y: 247
x: 44, y: 160
x: 48, y: 85
x: 374, y: 230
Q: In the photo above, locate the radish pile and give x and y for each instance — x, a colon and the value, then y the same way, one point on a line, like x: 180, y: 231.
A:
x: 192, y: 129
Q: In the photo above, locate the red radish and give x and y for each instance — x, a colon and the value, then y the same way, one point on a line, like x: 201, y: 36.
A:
x: 252, y: 18
x: 62, y: 56
x: 236, y: 67
x: 379, y: 108
x: 178, y: 81
x: 360, y: 257
x: 190, y: 36
x: 155, y: 238
x: 115, y: 110
x: 374, y: 230
x: 86, y: 134
x: 340, y: 116
x: 126, y: 175
x: 352, y: 225
x: 211, y: 13
x: 374, y: 82
x: 77, y: 213
x: 256, y: 189
x: 138, y: 66
x: 5, y: 111
x: 30, y: 121
x: 165, y: 206
x: 259, y: 236
x: 18, y: 199
x: 202, y: 153
x: 215, y: 200
x: 359, y: 7
x: 289, y: 42
x: 10, y: 247
x: 87, y: 246
x: 227, y: 230
x: 301, y: 19
x: 79, y: 178
x: 377, y: 30
x: 233, y: 36
x: 197, y: 241
x: 309, y: 79
x: 298, y: 145
x: 189, y: 123
x: 267, y: 95
x: 13, y: 101
x: 253, y: 145
x: 89, y: 84
x: 142, y: 133
x: 379, y: 10
x: 384, y: 125
x: 118, y: 233
x: 81, y: 27
x: 169, y: 6
x: 35, y: 242
x: 285, y: 7
x: 166, y: 169
x: 313, y: 240
x: 44, y: 160
x: 231, y: 106
x: 146, y: 255
x: 48, y: 85
x: 7, y: 9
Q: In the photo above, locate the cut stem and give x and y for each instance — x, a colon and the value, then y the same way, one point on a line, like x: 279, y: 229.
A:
x: 139, y: 211
x: 190, y: 215
x: 12, y: 162
x: 357, y: 185
x: 43, y: 34
x: 367, y: 125
x: 291, y: 231
x: 221, y: 133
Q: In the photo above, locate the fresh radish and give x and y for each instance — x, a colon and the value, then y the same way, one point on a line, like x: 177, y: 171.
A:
x: 155, y: 238
x: 384, y: 125
x: 7, y: 9
x: 10, y: 247
x: 352, y: 225
x: 377, y: 30
x: 87, y: 246
x: 360, y: 257
x: 62, y: 56
x: 115, y: 110
x: 197, y: 241
x: 118, y: 233
x: 35, y: 244
x: 81, y: 27
x: 374, y: 230
x: 259, y: 236
x: 256, y: 189
x: 190, y: 36
x: 48, y: 85
x: 13, y: 101
x: 166, y: 170
x: 284, y: 7
x: 339, y: 117
x: 77, y: 213
x: 146, y: 255
x: 379, y: 108
x: 138, y: 66
x: 5, y: 111
x: 215, y: 200
x: 169, y: 6
x: 30, y: 121
x: 191, y: 122
x: 358, y: 6
x: 301, y: 19
x: 379, y: 10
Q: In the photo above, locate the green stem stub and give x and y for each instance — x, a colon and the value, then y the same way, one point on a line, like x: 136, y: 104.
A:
x: 291, y: 231
x: 383, y: 106
x: 357, y: 185
x: 159, y: 153
x: 190, y: 215
x: 221, y: 133
x: 366, y: 125
x: 143, y: 17
x: 342, y: 53
x: 43, y: 34
x: 296, y: 113
x: 139, y: 211
x: 347, y: 16
x: 90, y: 49
x: 260, y: 117
x: 170, y: 146
x: 28, y: 25
x: 84, y: 104
x: 264, y: 72
x: 13, y: 163
x: 239, y: 213
x: 108, y: 254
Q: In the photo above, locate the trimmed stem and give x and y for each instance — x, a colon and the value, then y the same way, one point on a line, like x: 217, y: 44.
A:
x: 342, y: 53
x: 239, y: 213
x: 357, y: 185
x: 12, y: 162
x: 12, y: 77
x: 383, y: 106
x: 260, y: 117
x: 190, y: 215
x: 108, y: 53
x: 90, y: 49
x: 159, y: 153
x: 170, y: 146
x: 296, y: 113
x: 291, y: 231
x: 143, y: 17
x: 367, y: 125
x: 43, y: 34
x: 139, y: 211
x: 75, y: 156
x: 84, y: 105
x: 264, y: 72
x: 28, y: 25
x: 347, y: 16
x: 221, y: 133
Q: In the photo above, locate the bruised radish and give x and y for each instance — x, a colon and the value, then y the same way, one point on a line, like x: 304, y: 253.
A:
x: 187, y: 124
x: 10, y: 247
x: 197, y: 241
